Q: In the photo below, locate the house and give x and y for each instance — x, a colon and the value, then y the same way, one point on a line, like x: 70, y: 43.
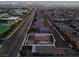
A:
x: 11, y: 20
x: 19, y: 12
x: 4, y: 15
x: 42, y: 49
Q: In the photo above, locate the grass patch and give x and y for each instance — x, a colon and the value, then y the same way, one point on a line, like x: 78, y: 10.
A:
x: 6, y: 30
x: 4, y: 27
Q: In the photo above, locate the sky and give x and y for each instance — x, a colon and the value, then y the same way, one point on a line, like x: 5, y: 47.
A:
x: 63, y: 3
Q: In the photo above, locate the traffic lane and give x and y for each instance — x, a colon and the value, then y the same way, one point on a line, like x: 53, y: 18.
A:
x: 10, y: 41
x: 25, y: 28
x: 14, y: 35
x: 59, y: 40
x: 20, y: 40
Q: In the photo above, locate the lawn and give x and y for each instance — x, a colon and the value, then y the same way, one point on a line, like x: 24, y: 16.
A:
x: 4, y: 27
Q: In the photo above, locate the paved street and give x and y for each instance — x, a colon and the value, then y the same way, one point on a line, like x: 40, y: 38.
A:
x: 59, y: 40
x: 12, y: 45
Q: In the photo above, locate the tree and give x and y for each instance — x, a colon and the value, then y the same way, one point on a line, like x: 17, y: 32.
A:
x: 23, y: 51
x: 0, y: 18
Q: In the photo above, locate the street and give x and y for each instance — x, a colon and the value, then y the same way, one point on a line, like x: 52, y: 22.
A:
x: 59, y: 41
x: 12, y: 45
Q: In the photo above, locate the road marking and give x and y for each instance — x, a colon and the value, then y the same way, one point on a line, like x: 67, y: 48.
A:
x: 26, y: 35
x: 59, y: 34
x: 55, y: 30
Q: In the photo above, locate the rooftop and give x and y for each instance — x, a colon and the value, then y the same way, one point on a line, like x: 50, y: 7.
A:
x: 10, y: 18
x: 40, y: 39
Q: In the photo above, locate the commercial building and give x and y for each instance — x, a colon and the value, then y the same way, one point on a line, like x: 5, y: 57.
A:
x: 11, y: 20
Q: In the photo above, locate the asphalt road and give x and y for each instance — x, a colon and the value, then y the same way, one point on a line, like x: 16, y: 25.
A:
x: 13, y: 44
x: 59, y: 41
